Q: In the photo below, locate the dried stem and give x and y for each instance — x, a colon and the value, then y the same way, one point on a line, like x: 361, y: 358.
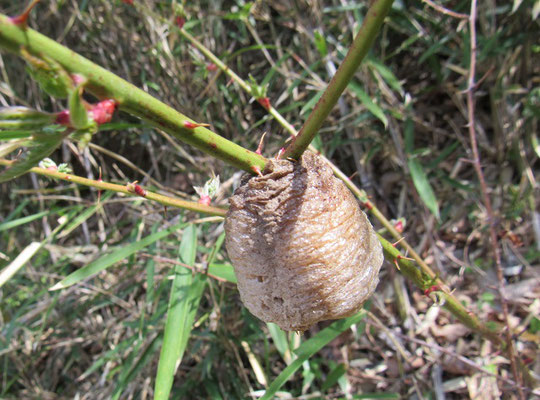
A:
x: 159, y: 198
x: 486, y: 198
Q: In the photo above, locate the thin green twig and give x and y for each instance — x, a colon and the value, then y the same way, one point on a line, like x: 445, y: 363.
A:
x: 358, y: 50
x: 128, y: 189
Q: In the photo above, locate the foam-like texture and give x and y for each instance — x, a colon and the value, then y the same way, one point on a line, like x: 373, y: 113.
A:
x: 302, y: 249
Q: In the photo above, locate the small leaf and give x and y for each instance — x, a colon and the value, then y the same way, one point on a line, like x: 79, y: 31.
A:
x: 423, y: 187
x: 49, y: 74
x: 223, y: 271
x: 23, y: 118
x: 320, y: 43
x: 31, y: 158
x: 77, y: 110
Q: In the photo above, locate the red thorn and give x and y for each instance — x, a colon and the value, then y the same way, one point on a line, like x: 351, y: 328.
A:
x: 78, y: 79
x: 205, y: 200
x: 67, y: 177
x: 130, y: 2
x: 396, y: 264
x: 211, y: 67
x: 257, y: 170
x: 193, y: 125
x: 398, y: 226
x: 52, y: 168
x: 103, y: 111
x: 395, y: 243
x: 400, y: 257
x: 265, y: 102
x: 261, y: 143
x: 22, y: 19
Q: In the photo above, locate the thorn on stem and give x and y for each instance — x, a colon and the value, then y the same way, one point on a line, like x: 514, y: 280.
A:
x: 261, y: 143
x: 280, y: 153
x: 257, y: 170
x: 265, y: 102
x: 22, y: 19
x: 395, y: 243
x: 193, y: 125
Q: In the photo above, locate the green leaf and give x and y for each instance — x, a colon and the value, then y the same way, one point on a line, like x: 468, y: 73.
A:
x: 85, y: 215
x: 223, y: 271
x: 78, y: 114
x: 333, y: 376
x: 308, y: 106
x: 368, y: 103
x: 309, y: 348
x: 110, y: 259
x: 21, y: 118
x: 423, y: 187
x: 49, y: 74
x: 4, y: 226
x: 15, y: 134
x: 186, y: 293
x: 37, y: 153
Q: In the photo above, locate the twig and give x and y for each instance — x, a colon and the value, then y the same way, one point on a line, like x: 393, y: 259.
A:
x: 445, y: 11
x: 358, y: 50
x: 487, y: 202
x: 159, y: 198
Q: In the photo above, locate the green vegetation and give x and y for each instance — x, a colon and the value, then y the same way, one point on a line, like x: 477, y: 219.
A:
x: 113, y: 282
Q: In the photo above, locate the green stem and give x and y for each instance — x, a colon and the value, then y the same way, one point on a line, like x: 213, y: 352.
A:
x: 105, y: 84
x: 159, y: 198
x: 359, y: 48
x: 409, y: 269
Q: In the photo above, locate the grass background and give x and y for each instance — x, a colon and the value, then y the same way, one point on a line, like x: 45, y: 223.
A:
x: 399, y: 131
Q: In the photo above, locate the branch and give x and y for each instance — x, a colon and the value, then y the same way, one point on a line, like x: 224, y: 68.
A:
x: 486, y: 199
x: 358, y: 50
x: 129, y: 189
x: 106, y: 85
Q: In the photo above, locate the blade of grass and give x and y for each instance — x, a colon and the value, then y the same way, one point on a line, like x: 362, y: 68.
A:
x: 423, y: 187
x: 106, y: 261
x: 24, y: 220
x: 186, y: 293
x: 309, y: 348
x: 23, y: 257
x: 368, y: 103
x: 85, y: 215
x: 280, y: 341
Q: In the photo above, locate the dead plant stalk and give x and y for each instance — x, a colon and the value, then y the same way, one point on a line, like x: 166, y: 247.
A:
x: 486, y: 199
